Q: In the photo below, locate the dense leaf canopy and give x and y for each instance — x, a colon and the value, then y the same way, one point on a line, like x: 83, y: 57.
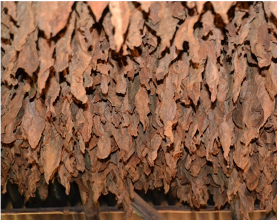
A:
x: 119, y: 96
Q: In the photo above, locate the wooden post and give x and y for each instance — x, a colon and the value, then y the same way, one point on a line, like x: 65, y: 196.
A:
x: 91, y: 208
x: 235, y: 208
x: 144, y: 210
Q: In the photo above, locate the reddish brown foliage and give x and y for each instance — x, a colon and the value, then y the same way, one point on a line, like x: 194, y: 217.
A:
x: 120, y: 96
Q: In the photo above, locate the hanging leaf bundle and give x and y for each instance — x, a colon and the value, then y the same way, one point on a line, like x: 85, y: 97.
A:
x: 124, y: 96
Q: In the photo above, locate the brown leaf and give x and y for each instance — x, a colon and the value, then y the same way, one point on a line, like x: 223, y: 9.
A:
x: 266, y: 102
x: 33, y: 178
x: 77, y: 67
x: 28, y: 57
x: 253, y: 174
x: 121, y: 84
x: 63, y: 47
x: 222, y: 8
x: 33, y: 124
x: 11, y: 6
x: 225, y: 134
x: 134, y: 37
x: 120, y: 20
x: 51, y: 155
x: 13, y: 107
x: 108, y: 26
x: 46, y: 50
x: 142, y: 108
x: 52, y: 94
x: 123, y: 140
x: 178, y: 10
x: 97, y: 8
x: 164, y: 63
x: 212, y: 77
x: 185, y: 33
x: 145, y: 5
x: 273, y: 8
x: 104, y: 146
x: 167, y: 26
x: 274, y: 203
x: 65, y: 178
x: 168, y: 108
x: 208, y: 22
x: 239, y: 74
x: 9, y: 136
x: 271, y: 80
x: 52, y: 16
x: 199, y: 6
x: 26, y: 23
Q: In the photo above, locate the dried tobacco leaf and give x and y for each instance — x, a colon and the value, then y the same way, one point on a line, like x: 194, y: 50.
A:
x: 98, y: 8
x: 52, y: 16
x: 33, y: 124
x: 141, y: 95
x: 51, y: 154
x: 120, y: 20
x: 142, y: 108
x: 46, y: 61
x: 26, y: 23
x: 222, y: 8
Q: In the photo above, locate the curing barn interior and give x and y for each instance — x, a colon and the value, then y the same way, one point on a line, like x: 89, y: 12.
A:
x: 139, y: 110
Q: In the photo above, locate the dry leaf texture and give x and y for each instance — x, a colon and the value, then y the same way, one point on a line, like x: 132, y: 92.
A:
x: 123, y: 96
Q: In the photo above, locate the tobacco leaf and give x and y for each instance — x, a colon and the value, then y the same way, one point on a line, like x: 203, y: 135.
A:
x: 273, y: 8
x: 145, y: 5
x: 97, y: 8
x: 9, y: 136
x: 178, y: 10
x: 274, y: 204
x: 142, y: 108
x: 253, y: 174
x: 225, y: 134
x: 63, y: 46
x: 46, y: 61
x: 168, y: 109
x: 51, y: 154
x: 13, y: 107
x: 104, y: 146
x: 266, y: 102
x: 33, y: 124
x: 271, y: 80
x: 33, y: 178
x: 163, y: 66
x: 208, y: 22
x: 200, y: 5
x: 222, y: 8
x: 26, y: 23
x: 134, y: 37
x: 166, y: 27
x: 239, y: 74
x: 185, y: 33
x: 77, y: 67
x: 52, y: 16
x: 120, y: 20
x: 12, y: 8
x: 65, y: 178
x: 78, y: 87
x: 156, y: 142
x: 212, y: 77
x: 52, y: 93
x: 28, y: 57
